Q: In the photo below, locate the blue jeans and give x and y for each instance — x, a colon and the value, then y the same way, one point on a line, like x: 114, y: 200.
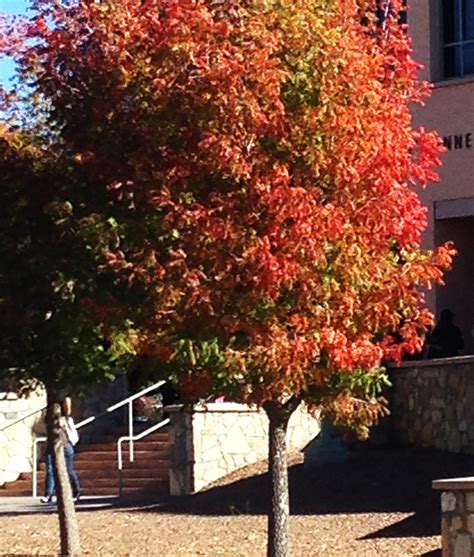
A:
x: 50, y: 479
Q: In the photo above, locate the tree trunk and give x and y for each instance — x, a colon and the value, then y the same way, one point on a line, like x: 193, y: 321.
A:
x: 278, y: 416
x: 68, y: 526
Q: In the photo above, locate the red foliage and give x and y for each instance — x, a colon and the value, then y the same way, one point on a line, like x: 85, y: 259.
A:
x: 260, y: 168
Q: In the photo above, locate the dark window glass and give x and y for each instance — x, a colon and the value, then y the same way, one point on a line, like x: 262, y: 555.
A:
x: 468, y: 58
x: 403, y: 15
x: 468, y: 20
x: 450, y: 61
x: 458, y: 37
x: 449, y: 21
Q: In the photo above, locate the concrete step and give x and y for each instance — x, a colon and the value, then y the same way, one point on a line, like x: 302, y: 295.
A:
x: 155, y: 473
x: 96, y: 464
x: 111, y: 455
x: 112, y: 446
x: 88, y: 484
x: 162, y: 435
x: 15, y: 492
x: 109, y: 466
x: 147, y: 464
x: 18, y: 485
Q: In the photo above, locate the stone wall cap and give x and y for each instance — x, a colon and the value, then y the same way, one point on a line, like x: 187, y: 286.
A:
x: 212, y: 407
x: 436, y: 362
x: 8, y: 396
x: 454, y: 484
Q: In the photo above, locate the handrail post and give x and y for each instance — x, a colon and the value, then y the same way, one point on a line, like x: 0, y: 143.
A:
x: 35, y: 471
x: 120, y: 465
x: 130, y: 430
x: 130, y: 440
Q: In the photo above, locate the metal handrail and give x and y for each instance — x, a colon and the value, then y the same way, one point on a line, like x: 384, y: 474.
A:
x: 129, y: 400
x: 131, y: 439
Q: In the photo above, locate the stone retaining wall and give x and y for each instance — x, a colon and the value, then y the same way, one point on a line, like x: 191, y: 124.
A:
x: 208, y: 442
x: 16, y: 442
x: 457, y: 516
x: 432, y: 404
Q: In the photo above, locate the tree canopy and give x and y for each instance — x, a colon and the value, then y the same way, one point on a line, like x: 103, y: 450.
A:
x: 241, y: 172
x: 229, y: 189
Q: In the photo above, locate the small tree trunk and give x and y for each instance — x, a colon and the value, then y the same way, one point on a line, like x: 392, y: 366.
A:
x: 68, y: 526
x: 278, y: 416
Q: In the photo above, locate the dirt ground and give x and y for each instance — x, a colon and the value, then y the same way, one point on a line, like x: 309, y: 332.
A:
x: 378, y: 502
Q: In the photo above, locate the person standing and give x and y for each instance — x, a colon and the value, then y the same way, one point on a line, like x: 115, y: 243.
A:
x: 69, y: 438
x: 446, y: 339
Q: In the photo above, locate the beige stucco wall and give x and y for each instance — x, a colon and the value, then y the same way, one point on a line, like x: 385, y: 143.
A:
x: 449, y: 111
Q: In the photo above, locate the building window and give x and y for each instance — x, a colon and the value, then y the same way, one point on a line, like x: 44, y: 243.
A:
x: 458, y: 38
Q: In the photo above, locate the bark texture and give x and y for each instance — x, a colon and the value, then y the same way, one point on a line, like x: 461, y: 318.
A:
x: 278, y: 416
x: 68, y: 526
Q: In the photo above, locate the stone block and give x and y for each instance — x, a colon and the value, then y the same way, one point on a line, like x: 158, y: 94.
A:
x: 470, y: 502
x: 235, y: 445
x: 251, y: 458
x: 456, y: 523
x: 462, y: 546
x: 470, y: 523
x: 448, y: 501
x: 22, y: 451
x: 4, y: 459
x: 436, y: 416
x: 212, y: 454
x: 19, y: 464
x: 11, y: 415
x: 10, y: 475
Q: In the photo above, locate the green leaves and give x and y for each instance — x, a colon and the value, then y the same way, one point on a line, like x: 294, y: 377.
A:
x: 369, y: 384
x: 224, y: 190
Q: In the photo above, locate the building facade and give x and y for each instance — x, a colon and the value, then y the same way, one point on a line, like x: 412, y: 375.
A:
x: 442, y: 32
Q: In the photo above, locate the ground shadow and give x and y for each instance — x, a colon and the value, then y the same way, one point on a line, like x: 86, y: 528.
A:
x: 370, y: 481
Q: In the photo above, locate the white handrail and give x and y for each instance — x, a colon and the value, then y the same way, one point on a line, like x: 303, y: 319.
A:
x: 135, y: 396
x: 137, y: 437
x: 129, y: 400
x: 18, y: 420
x: 35, y: 465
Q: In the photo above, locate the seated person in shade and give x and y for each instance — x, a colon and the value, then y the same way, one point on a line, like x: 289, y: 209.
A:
x: 446, y: 339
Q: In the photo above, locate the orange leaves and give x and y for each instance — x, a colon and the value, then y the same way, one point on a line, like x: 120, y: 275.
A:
x: 258, y: 165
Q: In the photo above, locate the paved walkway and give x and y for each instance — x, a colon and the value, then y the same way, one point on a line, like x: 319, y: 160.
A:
x: 27, y: 505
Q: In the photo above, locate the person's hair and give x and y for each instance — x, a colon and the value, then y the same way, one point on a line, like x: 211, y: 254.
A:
x: 447, y: 315
x: 66, y: 406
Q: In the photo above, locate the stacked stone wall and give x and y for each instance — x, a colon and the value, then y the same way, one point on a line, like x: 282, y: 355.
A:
x: 16, y: 442
x: 211, y: 441
x: 432, y: 404
x: 457, y: 516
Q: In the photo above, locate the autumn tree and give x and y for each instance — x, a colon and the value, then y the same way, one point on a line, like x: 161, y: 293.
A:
x: 46, y: 341
x: 241, y: 171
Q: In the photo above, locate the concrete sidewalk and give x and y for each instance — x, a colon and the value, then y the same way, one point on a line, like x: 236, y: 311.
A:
x: 28, y: 505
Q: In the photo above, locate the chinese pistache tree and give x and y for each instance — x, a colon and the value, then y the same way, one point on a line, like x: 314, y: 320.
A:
x: 241, y: 171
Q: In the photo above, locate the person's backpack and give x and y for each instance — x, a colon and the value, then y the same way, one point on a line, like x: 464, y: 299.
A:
x: 70, y: 430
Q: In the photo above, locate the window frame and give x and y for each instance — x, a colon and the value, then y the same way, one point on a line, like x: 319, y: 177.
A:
x: 458, y: 18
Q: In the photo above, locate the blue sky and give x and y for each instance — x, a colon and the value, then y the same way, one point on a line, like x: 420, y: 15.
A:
x: 11, y: 7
